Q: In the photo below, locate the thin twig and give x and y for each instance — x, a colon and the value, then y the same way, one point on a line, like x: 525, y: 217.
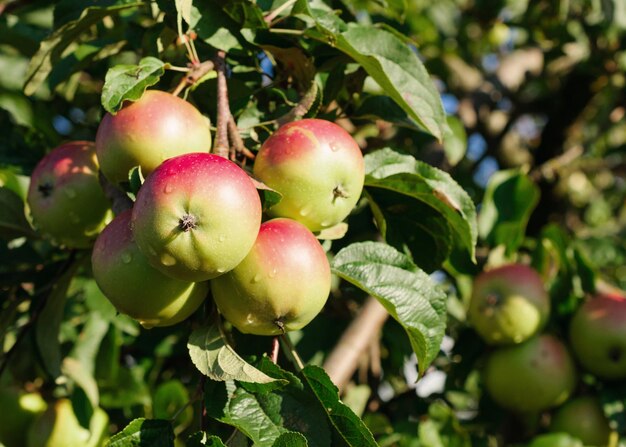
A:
x: 223, y: 109
x: 275, y: 347
x: 303, y: 106
x: 272, y: 15
x: 195, y: 73
x: 236, y: 140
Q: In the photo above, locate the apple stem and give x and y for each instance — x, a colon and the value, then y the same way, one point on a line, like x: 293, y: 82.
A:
x: 291, y: 352
x: 118, y: 198
x: 339, y: 192
x: 223, y: 108
x: 195, y: 73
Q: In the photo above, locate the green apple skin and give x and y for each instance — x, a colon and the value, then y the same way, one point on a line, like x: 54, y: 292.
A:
x: 509, y: 304
x: 598, y: 336
x: 65, y: 199
x: 59, y: 427
x: 532, y: 376
x: 196, y: 216
x: 136, y: 288
x: 19, y: 409
x: 280, y: 286
x: 555, y: 440
x: 147, y: 132
x: 317, y: 167
x: 584, y: 419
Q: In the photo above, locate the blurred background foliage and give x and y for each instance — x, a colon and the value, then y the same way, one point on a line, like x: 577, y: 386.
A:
x: 534, y: 97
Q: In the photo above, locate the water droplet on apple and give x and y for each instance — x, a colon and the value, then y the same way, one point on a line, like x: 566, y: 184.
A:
x: 168, y: 189
x: 257, y: 278
x: 168, y: 260
x: 334, y: 147
x: 325, y: 223
x: 305, y: 211
x: 222, y: 238
x: 126, y: 258
x: 70, y: 193
x: 221, y: 270
x: 272, y: 273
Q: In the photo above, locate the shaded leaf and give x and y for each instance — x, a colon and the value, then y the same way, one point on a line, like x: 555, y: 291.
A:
x: 406, y: 292
x: 509, y: 200
x: 76, y: 371
x: 13, y: 221
x: 201, y: 439
x: 351, y: 430
x: 445, y: 203
x: 51, y: 49
x: 215, y: 358
x: 290, y: 439
x: 144, y: 433
x: 269, y: 196
x: 128, y: 82
x: 454, y: 140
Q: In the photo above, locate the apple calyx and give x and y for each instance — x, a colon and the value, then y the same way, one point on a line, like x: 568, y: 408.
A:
x: 45, y: 189
x: 188, y: 222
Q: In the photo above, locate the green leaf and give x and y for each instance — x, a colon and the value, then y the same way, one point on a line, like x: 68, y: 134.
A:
x: 216, y: 28
x: 128, y: 82
x: 394, y: 66
x: 347, y: 425
x: 509, y: 201
x: 411, y: 188
x: 269, y: 196
x: 77, y: 372
x: 135, y: 180
x: 454, y: 140
x: 49, y: 323
x: 144, y: 433
x: 201, y: 439
x: 290, y: 439
x: 246, y: 13
x: 51, y: 50
x: 13, y: 223
x: 408, y: 294
x: 385, y: 108
x: 171, y: 399
x: 215, y: 358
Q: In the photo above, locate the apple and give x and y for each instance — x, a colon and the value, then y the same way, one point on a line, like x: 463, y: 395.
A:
x: 532, y: 376
x: 65, y: 198
x: 19, y: 409
x: 317, y: 167
x: 280, y: 286
x: 584, y: 419
x: 136, y: 288
x: 196, y: 216
x: 509, y: 304
x: 555, y: 440
x: 147, y: 132
x: 59, y: 427
x: 598, y: 335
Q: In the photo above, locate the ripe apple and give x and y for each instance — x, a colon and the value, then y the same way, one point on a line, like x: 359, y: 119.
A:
x: 555, y: 440
x: 281, y: 285
x: 317, y: 167
x: 19, y: 409
x: 65, y: 198
x: 196, y: 216
x: 584, y: 419
x: 531, y: 376
x: 147, y: 132
x: 509, y: 304
x: 598, y: 336
x: 135, y: 287
x: 59, y: 427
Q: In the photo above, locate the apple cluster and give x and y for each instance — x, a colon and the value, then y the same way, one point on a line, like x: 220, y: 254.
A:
x: 197, y: 222
x: 528, y: 371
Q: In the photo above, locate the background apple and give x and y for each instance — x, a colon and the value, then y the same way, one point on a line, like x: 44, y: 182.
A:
x: 317, y: 167
x: 281, y: 285
x: 19, y: 409
x: 59, y: 427
x: 196, y: 216
x: 598, y: 335
x: 584, y: 419
x: 509, y: 304
x: 555, y: 440
x: 135, y: 287
x: 532, y: 376
x: 148, y: 131
x: 65, y: 197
